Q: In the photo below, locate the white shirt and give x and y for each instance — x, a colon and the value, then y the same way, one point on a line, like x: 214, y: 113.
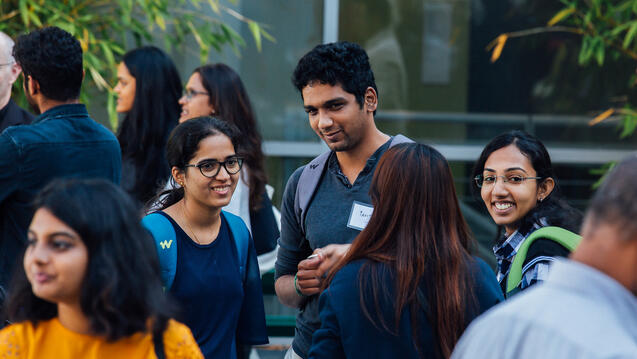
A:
x: 578, y: 312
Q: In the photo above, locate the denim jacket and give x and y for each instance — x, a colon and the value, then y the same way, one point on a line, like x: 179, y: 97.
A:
x: 62, y: 142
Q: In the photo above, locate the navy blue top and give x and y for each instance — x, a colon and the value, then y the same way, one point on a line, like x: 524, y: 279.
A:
x: 325, y: 223
x: 215, y: 304
x: 62, y: 142
x: 347, y: 333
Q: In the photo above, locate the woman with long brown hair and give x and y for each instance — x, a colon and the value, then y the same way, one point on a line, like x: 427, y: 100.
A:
x: 408, y: 286
x: 217, y: 90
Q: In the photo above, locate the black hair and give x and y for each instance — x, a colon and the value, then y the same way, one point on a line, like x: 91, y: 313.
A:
x: 615, y: 201
x: 554, y: 208
x: 228, y: 97
x: 339, y: 63
x: 143, y: 133
x: 121, y: 289
x: 53, y: 58
x: 182, y: 146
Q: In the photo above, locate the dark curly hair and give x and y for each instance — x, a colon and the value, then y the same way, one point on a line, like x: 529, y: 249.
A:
x: 339, y: 63
x: 231, y: 103
x: 554, y: 208
x: 53, y: 58
x: 122, y: 289
x: 155, y: 112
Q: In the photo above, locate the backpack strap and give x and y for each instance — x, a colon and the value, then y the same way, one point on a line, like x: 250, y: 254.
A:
x: 563, y: 237
x: 310, y: 177
x: 305, y: 188
x: 165, y: 238
x: 241, y: 237
x: 398, y: 139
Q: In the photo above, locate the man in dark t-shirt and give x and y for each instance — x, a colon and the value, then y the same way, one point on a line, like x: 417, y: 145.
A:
x: 340, y: 97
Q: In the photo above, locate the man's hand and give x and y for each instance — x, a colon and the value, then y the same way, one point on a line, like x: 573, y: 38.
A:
x: 313, y: 270
x: 331, y: 254
x: 308, y: 276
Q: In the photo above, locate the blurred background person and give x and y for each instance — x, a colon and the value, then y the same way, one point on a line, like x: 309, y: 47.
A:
x: 89, y: 286
x: 148, y: 89
x: 518, y: 186
x: 217, y: 90
x: 408, y: 286
x: 221, y: 302
x: 10, y: 113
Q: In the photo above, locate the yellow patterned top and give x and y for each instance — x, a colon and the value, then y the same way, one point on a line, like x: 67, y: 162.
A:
x: 50, y: 340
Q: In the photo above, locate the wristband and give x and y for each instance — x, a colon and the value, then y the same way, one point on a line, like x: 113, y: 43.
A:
x: 297, y: 288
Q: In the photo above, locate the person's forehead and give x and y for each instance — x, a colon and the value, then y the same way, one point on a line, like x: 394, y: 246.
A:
x: 508, y: 157
x: 315, y: 93
x: 6, y: 47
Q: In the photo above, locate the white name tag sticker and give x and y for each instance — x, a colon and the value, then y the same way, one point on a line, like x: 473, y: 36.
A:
x: 360, y: 215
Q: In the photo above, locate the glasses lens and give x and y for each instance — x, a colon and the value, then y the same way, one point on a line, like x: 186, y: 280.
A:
x: 233, y: 165
x: 478, y: 180
x: 209, y: 169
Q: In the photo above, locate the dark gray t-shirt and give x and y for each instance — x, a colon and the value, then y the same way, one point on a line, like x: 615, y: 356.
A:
x: 326, y: 223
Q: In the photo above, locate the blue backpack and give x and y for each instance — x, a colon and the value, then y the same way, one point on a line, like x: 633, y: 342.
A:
x: 165, y: 238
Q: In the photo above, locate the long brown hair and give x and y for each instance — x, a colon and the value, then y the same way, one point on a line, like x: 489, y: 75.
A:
x: 417, y: 230
x: 230, y: 101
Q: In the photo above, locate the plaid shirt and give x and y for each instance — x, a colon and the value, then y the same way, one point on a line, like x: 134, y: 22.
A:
x: 534, y: 271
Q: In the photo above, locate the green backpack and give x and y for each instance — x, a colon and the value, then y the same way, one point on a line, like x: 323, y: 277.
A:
x: 565, y: 238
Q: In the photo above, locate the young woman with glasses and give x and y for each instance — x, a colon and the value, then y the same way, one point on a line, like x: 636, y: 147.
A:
x: 217, y: 90
x: 89, y: 285
x: 408, y: 287
x: 220, y: 307
x: 148, y: 89
x: 516, y: 182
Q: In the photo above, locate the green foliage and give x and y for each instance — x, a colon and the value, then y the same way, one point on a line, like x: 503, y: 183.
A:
x: 105, y: 29
x: 607, y: 26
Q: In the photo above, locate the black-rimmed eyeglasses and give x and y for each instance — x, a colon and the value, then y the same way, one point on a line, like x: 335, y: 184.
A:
x: 211, y: 168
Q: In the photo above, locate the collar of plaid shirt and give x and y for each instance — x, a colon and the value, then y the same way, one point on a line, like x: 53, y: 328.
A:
x: 506, y: 250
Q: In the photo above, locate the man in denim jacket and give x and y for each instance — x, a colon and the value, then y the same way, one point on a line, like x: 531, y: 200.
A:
x: 63, y: 141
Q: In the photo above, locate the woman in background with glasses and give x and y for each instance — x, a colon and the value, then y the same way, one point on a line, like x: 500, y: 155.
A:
x: 515, y: 179
x: 148, y: 89
x: 408, y: 286
x: 220, y: 306
x: 217, y: 90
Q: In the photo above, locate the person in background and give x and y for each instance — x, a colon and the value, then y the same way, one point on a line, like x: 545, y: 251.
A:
x: 148, y: 89
x: 516, y: 181
x: 63, y: 141
x: 587, y: 307
x: 10, y: 113
x: 408, y: 286
x: 89, y: 286
x: 222, y: 304
x: 217, y: 90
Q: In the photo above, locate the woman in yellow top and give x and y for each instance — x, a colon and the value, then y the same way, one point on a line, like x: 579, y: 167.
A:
x: 89, y: 286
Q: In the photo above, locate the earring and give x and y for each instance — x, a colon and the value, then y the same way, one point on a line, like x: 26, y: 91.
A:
x: 540, y: 199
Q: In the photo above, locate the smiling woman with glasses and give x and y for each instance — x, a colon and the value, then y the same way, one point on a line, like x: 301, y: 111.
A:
x: 516, y: 182
x: 221, y: 303
x: 217, y: 90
